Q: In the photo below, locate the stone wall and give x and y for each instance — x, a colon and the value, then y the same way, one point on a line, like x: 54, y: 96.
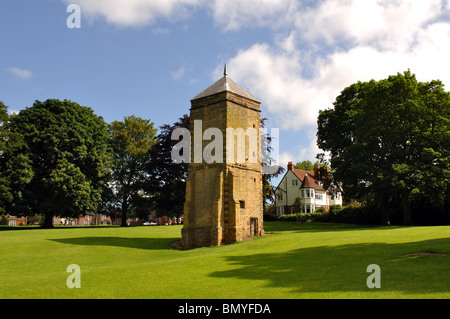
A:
x: 223, y: 200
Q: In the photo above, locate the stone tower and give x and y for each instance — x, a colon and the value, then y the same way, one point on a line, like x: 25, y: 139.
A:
x: 224, y: 201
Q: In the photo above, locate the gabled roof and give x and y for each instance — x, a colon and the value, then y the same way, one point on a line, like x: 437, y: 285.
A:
x: 300, y: 173
x: 225, y: 84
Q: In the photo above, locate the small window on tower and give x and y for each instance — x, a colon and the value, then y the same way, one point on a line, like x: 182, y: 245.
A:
x: 242, y: 204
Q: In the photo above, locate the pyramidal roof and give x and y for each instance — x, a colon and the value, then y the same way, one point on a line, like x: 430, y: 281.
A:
x: 225, y: 84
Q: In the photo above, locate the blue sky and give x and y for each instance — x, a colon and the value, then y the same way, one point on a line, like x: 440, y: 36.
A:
x: 150, y: 57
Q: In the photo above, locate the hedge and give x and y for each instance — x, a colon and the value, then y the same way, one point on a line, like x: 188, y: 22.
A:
x: 336, y: 214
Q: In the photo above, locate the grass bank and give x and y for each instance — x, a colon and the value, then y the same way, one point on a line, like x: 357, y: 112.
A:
x: 292, y: 261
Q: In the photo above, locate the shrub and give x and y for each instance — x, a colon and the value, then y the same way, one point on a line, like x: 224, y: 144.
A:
x: 3, y: 220
x: 355, y: 215
x: 300, y: 217
x: 363, y: 215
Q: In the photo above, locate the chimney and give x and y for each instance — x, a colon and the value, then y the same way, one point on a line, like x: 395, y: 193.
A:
x: 290, y: 166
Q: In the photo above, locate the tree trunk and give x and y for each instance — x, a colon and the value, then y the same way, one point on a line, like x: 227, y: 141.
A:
x: 406, y: 207
x: 48, y: 221
x: 124, y: 212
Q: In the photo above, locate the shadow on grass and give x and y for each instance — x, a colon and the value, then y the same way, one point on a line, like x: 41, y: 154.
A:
x: 138, y: 243
x: 344, y: 268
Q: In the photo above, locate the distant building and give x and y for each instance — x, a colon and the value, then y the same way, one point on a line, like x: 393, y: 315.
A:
x: 301, y: 192
x: 16, y: 221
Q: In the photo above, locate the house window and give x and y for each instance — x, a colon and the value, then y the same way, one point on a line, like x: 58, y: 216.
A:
x: 319, y: 196
x: 295, y: 182
x: 280, y: 210
x: 12, y: 223
x: 242, y: 204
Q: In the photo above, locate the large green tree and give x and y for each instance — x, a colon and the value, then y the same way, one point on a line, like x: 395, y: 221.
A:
x: 389, y: 141
x: 131, y: 140
x: 56, y: 158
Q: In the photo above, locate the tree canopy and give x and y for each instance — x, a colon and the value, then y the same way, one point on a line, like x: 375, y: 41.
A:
x: 131, y: 140
x: 389, y: 141
x: 166, y: 183
x: 56, y: 158
x: 306, y: 165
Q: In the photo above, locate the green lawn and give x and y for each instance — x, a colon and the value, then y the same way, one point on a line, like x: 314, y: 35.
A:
x: 293, y: 261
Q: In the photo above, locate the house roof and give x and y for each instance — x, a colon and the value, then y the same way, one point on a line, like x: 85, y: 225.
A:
x: 300, y: 173
x: 225, y: 84
x: 311, y: 182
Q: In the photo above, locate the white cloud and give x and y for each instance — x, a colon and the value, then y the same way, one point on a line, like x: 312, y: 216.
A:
x: 236, y: 14
x: 274, y: 76
x: 21, y: 73
x: 160, y: 30
x: 135, y: 12
x: 229, y: 14
x: 178, y: 74
x: 383, y: 23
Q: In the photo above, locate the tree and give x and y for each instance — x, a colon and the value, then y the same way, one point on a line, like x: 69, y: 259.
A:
x: 56, y: 158
x: 389, y: 140
x: 323, y: 174
x: 305, y: 165
x: 166, y: 184
x: 131, y: 141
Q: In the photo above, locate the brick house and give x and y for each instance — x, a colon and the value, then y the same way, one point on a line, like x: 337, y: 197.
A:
x: 16, y: 221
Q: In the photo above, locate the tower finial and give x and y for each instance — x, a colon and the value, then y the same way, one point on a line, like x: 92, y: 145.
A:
x: 225, y: 73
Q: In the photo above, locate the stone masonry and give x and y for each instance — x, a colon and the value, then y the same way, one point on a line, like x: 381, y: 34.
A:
x: 224, y: 200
